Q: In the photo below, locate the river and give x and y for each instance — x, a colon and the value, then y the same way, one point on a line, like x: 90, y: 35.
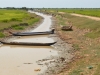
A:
x: 22, y: 60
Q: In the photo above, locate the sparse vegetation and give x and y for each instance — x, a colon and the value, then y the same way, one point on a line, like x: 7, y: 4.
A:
x: 85, y: 38
x: 17, y: 27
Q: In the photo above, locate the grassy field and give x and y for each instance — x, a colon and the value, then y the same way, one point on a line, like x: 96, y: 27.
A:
x: 85, y: 39
x: 83, y: 11
x: 15, y: 18
x: 12, y: 15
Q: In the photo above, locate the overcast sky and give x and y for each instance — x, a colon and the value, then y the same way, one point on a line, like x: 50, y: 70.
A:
x: 51, y: 3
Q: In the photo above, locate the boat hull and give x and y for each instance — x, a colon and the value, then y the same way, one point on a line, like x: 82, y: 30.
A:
x: 28, y: 43
x: 32, y: 33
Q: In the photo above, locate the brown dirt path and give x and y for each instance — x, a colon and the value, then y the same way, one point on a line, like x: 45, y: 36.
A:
x: 91, y: 17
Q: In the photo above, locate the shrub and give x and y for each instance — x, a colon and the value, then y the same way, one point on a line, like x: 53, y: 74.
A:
x: 15, y: 19
x: 17, y: 27
x: 5, y: 21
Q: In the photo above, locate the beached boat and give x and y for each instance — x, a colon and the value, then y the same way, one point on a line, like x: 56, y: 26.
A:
x: 27, y: 43
x: 66, y: 28
x: 32, y: 33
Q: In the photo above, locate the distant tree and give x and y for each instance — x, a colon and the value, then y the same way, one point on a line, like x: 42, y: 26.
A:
x: 9, y: 8
x: 24, y: 8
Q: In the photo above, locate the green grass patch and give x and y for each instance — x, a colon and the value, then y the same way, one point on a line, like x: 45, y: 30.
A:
x: 93, y: 35
x: 12, y: 15
x: 1, y: 35
x: 32, y: 21
x: 75, y: 72
x: 15, y: 19
x: 76, y: 46
x: 17, y: 27
x: 98, y: 70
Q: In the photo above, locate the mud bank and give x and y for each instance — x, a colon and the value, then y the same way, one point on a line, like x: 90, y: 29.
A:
x: 65, y: 55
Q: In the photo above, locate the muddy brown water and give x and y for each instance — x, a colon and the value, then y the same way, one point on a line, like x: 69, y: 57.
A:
x: 22, y: 60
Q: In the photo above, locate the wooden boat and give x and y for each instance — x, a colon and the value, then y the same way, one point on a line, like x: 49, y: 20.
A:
x: 66, y: 28
x: 27, y: 43
x: 32, y: 33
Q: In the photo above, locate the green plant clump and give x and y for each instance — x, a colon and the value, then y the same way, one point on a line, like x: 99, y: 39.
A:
x: 17, y: 27
x: 1, y: 35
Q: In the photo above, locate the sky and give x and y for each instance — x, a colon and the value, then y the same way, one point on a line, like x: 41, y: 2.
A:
x: 51, y: 3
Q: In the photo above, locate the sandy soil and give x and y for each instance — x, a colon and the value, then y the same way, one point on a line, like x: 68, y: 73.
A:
x: 91, y: 17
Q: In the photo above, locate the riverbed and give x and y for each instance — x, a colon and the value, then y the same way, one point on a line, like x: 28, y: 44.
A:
x: 24, y: 60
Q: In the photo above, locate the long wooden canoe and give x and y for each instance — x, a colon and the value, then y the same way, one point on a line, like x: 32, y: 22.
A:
x: 28, y: 43
x: 32, y: 33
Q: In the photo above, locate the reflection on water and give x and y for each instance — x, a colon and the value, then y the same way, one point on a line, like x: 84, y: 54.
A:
x: 13, y: 59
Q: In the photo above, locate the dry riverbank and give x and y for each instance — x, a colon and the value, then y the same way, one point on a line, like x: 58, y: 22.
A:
x: 65, y: 51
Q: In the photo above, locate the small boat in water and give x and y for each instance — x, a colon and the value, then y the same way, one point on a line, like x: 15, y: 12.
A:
x: 32, y: 33
x: 27, y: 43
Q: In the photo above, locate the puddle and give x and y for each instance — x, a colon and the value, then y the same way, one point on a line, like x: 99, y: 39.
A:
x: 22, y: 60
